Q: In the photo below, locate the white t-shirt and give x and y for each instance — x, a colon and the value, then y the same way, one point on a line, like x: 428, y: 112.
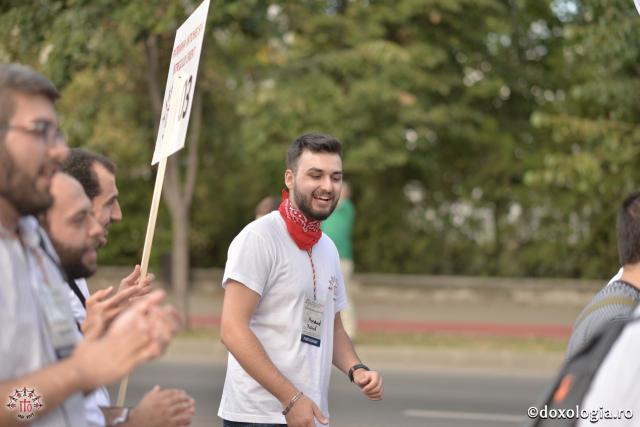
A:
x: 100, y: 396
x: 615, y: 386
x: 32, y: 307
x: 79, y: 312
x: 264, y: 258
x: 618, y: 276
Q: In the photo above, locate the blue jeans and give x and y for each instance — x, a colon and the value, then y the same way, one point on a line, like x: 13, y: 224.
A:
x: 227, y: 423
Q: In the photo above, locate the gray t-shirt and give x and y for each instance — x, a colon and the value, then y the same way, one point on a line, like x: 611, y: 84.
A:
x: 615, y: 301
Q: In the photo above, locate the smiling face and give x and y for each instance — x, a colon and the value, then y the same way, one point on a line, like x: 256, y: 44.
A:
x: 315, y: 184
x: 73, y: 229
x: 27, y: 160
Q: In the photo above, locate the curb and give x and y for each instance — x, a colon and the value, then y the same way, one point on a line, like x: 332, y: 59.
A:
x: 450, y: 328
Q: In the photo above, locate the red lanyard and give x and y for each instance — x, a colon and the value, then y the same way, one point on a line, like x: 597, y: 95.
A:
x: 313, y: 269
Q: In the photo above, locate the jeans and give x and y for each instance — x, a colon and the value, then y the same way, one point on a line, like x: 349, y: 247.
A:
x: 226, y: 423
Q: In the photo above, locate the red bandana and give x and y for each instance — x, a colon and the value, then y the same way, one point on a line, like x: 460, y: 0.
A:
x: 304, y: 231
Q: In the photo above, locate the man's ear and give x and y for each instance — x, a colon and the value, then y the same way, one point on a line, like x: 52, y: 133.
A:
x: 288, y: 178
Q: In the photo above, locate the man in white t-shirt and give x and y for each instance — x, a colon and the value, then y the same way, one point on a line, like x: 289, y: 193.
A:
x: 283, y: 295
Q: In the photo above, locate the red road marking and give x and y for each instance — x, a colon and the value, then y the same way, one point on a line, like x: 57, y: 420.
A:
x: 457, y: 328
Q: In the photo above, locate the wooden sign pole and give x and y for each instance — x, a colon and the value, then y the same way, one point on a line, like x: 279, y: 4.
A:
x: 178, y: 87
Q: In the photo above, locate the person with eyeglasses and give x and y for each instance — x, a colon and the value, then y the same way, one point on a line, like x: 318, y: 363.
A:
x: 42, y: 129
x: 44, y: 370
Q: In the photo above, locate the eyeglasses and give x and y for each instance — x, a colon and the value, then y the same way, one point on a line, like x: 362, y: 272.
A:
x: 46, y: 131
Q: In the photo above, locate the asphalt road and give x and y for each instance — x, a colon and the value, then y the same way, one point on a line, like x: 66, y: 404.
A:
x: 412, y: 399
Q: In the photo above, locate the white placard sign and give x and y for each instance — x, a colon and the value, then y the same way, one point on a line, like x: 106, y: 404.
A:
x: 185, y: 58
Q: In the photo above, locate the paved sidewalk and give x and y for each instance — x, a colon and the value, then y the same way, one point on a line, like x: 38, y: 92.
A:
x: 382, y: 309
x: 527, y: 313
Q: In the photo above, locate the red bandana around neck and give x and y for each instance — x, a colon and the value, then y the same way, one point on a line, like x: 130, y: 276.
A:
x: 304, y: 231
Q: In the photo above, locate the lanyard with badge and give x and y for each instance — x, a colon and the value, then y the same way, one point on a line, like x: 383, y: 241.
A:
x: 59, y: 321
x: 313, y: 313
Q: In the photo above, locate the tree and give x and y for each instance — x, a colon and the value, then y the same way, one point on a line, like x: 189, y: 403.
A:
x: 588, y: 161
x: 480, y: 136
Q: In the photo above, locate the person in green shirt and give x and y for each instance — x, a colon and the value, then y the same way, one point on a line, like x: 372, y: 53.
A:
x: 339, y: 227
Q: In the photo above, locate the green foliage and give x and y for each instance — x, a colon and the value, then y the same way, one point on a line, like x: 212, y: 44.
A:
x: 590, y: 143
x: 480, y: 136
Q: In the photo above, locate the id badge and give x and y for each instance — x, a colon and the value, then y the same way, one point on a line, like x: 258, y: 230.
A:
x: 62, y: 326
x: 312, y: 322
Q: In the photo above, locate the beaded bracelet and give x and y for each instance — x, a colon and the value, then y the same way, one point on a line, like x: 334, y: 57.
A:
x: 293, y: 400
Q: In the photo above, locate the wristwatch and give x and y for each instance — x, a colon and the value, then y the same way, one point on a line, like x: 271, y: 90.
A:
x: 115, y: 415
x: 122, y: 418
x: 355, y: 368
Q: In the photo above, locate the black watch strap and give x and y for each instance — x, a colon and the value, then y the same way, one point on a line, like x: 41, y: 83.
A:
x: 355, y: 368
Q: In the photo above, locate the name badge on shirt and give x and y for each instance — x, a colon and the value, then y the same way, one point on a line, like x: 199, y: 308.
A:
x: 312, y: 322
x: 62, y: 327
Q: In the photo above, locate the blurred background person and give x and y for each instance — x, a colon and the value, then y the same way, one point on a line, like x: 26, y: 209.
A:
x: 267, y: 205
x: 339, y: 227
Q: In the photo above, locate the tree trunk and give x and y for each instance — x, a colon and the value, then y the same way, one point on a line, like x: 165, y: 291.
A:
x: 180, y: 261
x: 341, y: 6
x: 499, y: 211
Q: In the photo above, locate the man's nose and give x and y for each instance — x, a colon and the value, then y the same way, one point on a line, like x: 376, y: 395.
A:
x: 59, y: 150
x: 116, y: 212
x: 326, y: 184
x: 95, y: 229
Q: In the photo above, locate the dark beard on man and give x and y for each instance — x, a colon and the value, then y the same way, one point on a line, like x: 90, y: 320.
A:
x: 71, y: 261
x: 20, y: 189
x: 304, y: 205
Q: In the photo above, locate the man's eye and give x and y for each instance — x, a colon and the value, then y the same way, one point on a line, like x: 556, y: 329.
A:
x: 41, y: 126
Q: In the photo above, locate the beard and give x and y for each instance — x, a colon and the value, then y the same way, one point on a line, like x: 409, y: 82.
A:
x: 102, y: 240
x: 71, y: 260
x: 19, y: 188
x: 304, y: 204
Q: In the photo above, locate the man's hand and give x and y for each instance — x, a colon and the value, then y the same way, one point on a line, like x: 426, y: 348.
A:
x: 105, y: 307
x: 370, y: 382
x: 143, y: 286
x: 163, y: 408
x: 304, y: 412
x: 165, y: 323
x: 106, y: 355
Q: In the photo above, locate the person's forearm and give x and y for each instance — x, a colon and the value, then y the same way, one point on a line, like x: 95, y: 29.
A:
x: 344, y: 354
x: 246, y: 348
x: 55, y: 383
